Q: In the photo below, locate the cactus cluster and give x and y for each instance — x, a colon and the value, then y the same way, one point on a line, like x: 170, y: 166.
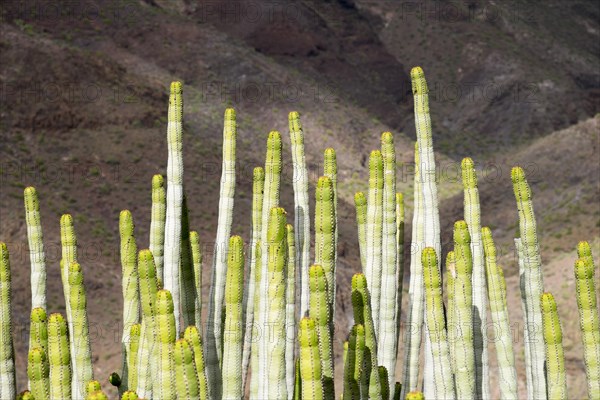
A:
x: 271, y: 312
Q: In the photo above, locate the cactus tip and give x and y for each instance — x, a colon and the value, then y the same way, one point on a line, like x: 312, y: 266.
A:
x: 419, y: 84
x: 582, y: 271
x: 176, y: 87
x: 583, y: 249
x: 387, y: 137
x: 548, y: 303
x: 158, y: 181
x: 359, y: 281
x: 259, y: 173
x: 517, y: 174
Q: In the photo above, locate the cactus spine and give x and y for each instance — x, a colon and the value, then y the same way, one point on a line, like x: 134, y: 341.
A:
x: 533, y: 277
x: 38, y: 372
x: 59, y: 357
x: 192, y: 335
x: 185, y: 371
x: 157, y: 223
x: 310, y: 360
x: 442, y: 377
x: 555, y: 358
x: 37, y: 255
x: 290, y: 312
x: 301, y: 207
x: 232, y: 340
x: 360, y: 204
x: 172, y: 247
x: 499, y: 313
x: 588, y: 317
x: 167, y: 334
x: 7, y: 363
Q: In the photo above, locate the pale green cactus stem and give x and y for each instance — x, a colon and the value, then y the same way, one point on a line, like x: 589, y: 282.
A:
x: 185, y: 371
x: 524, y: 299
x: 25, y: 395
x: 375, y: 232
x: 310, y: 360
x: 301, y: 207
x: 130, y: 288
x: 37, y: 255
x: 499, y: 312
x: 434, y: 308
x: 273, y: 167
x: 147, y: 368
x: 132, y: 355
x: 38, y: 329
x: 416, y: 295
x: 534, y: 285
x: 130, y: 395
x: 464, y: 357
x: 189, y: 297
x: 320, y: 312
x: 290, y: 312
x: 214, y: 340
x: 82, y: 355
x: 167, y: 334
x: 451, y: 327
x: 192, y: 335
x: 232, y: 334
x: 388, y: 334
x: 297, y: 381
x: 330, y: 170
x: 92, y: 386
x: 197, y: 265
x: 588, y: 318
x: 258, y: 185
x: 359, y: 362
x: 415, y: 396
x: 59, y: 358
x: 256, y: 343
x: 360, y: 204
x: 361, y: 303
x: 172, y: 243
x: 351, y: 388
x: 7, y: 363
x: 325, y: 236
x: 400, y: 261
x: 473, y: 218
x: 98, y: 395
x: 157, y: 223
x: 556, y: 376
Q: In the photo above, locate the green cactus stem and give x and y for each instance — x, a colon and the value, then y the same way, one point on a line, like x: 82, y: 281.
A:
x: 167, y: 334
x: 556, y: 376
x: 290, y: 312
x: 38, y: 372
x: 192, y: 335
x: 172, y: 242
x: 351, y: 388
x: 325, y: 235
x: 256, y: 342
x: 415, y: 396
x: 59, y: 358
x: 532, y: 275
x: 297, y: 381
x: 92, y: 386
x: 360, y: 204
x: 524, y: 299
x: 157, y: 223
x: 359, y: 363
x: 588, y: 318
x: 397, y: 391
x: 130, y: 395
x: 189, y: 296
x: 185, y: 371
x: 451, y: 327
x: 310, y: 360
x: 98, y: 395
x: 37, y: 256
x: 499, y: 312
x: 301, y: 207
x: 132, y: 355
x: 7, y: 363
x: 232, y: 340
x: 25, y: 395
x: 436, y: 324
x: 330, y: 170
x: 400, y: 262
x: 197, y: 267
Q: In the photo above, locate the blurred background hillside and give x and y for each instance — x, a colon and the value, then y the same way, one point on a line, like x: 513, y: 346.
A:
x: 83, y: 107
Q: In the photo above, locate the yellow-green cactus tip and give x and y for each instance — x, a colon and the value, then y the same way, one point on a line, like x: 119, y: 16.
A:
x: 290, y: 230
x: 36, y: 355
x: 415, y: 396
x: 66, y: 219
x: 278, y: 218
x: 183, y: 354
x: 93, y: 386
x: 461, y: 232
x: 274, y: 135
x: 258, y: 173
x: 158, y: 181
x: 375, y: 156
x: 548, y: 303
x: 517, y: 174
x: 293, y: 115
x: 29, y: 191
x: 360, y: 199
x: 467, y: 163
x: 164, y: 301
x: 146, y: 255
x: 582, y: 271
x: 419, y: 84
x: 38, y: 314
x: 583, y: 249
x: 387, y: 137
x: 25, y: 395
x: 229, y: 113
x: 428, y: 256
x: 194, y: 235
x: 176, y: 87
x: 135, y: 330
x: 359, y: 281
x: 486, y: 232
x: 324, y: 182
x: 468, y: 173
x: 330, y: 153
x: 307, y: 336
x: 399, y: 198
x: 450, y: 258
x: 57, y: 325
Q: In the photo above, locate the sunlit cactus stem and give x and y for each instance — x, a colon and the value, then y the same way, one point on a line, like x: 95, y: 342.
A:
x: 38, y: 333
x: 37, y: 255
x: 290, y: 312
x: 185, y: 371
x: 451, y: 327
x: 59, y: 358
x: 556, y: 376
x: 132, y: 355
x: 157, y: 223
x: 197, y: 267
x: 25, y: 395
x: 400, y: 216
x: 524, y: 308
x: 415, y: 396
x: 325, y: 236
x: 310, y: 360
x: 7, y: 363
x: 192, y: 335
x: 330, y: 170
x: 130, y: 395
x: 256, y: 344
x: 187, y: 281
x: 360, y: 204
x: 165, y: 322
x: 351, y: 388
x: 232, y: 331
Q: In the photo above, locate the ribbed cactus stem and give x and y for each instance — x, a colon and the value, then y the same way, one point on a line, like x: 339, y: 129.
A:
x: 528, y: 366
x: 320, y: 312
x: 92, y: 386
x: 310, y: 360
x: 415, y: 396
x: 384, y: 379
x: 330, y: 170
x: 82, y: 355
x: 98, y: 395
x: 256, y: 343
x: 185, y: 371
x: 258, y: 185
x: 351, y: 388
x: 588, y: 318
x: 130, y: 395
x: 132, y: 355
x: 167, y: 334
x: 325, y: 234
x: 534, y: 286
x: 37, y: 256
x: 464, y: 356
x: 388, y: 334
x: 25, y: 395
x: 157, y: 223
x: 38, y: 333
x: 189, y: 298
x: 172, y: 243
x: 290, y: 312
x: 232, y: 333
x: 192, y: 335
x: 556, y: 376
x: 219, y: 264
x: 59, y: 358
x: 362, y: 362
x: 301, y: 207
x: 360, y: 204
x: 7, y: 363
x: 451, y: 327
x: 130, y: 288
x: 197, y: 269
x: 400, y: 217
x: 499, y: 312
x: 473, y: 218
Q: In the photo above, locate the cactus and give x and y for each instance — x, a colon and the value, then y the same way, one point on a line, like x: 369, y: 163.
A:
x: 185, y: 371
x: 499, y: 312
x: 166, y: 334
x: 415, y: 396
x: 451, y: 326
x: 290, y: 312
x: 588, y: 317
x: 310, y: 360
x: 400, y: 266
x: 98, y: 395
x: 330, y: 171
x: 434, y: 308
x: 197, y: 269
x: 232, y: 340
x: 301, y: 207
x: 157, y: 223
x: 25, y: 395
x: 360, y: 203
x: 528, y: 366
x: 255, y: 343
x: 187, y: 283
x: 92, y: 386
x: 38, y: 333
x: 37, y: 255
x: 59, y: 357
x: 130, y: 395
x: 351, y: 388
x: 132, y: 356
x: 192, y: 335
x: 532, y: 274
x: 325, y: 237
x: 555, y: 359
x: 7, y: 363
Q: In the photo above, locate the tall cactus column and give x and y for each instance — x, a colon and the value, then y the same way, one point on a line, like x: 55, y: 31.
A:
x: 37, y: 255
x: 59, y: 356
x: 165, y: 322
x: 555, y: 357
x: 310, y: 360
x: 325, y: 235
x: 290, y: 312
x: 7, y: 363
x: 157, y: 223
